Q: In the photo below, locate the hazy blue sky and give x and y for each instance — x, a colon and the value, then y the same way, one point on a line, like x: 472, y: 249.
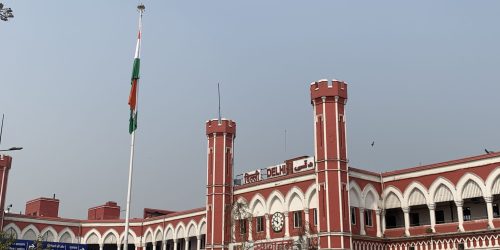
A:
x: 423, y: 84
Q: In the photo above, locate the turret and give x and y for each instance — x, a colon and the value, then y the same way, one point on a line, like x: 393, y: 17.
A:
x: 5, y: 164
x: 328, y: 100
x: 220, y: 135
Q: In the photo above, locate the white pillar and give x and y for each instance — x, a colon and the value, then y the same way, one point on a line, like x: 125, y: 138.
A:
x: 101, y: 246
x: 250, y: 230
x: 268, y: 234
x: 164, y: 244
x: 382, y: 216
x: 118, y: 246
x: 377, y: 220
x: 432, y: 213
x: 406, y: 211
x: 154, y: 245
x: 198, y: 242
x: 287, y: 225
x: 362, y: 221
x: 460, y: 214
x: 489, y: 208
x: 307, y: 223
x: 175, y: 244
x: 186, y: 243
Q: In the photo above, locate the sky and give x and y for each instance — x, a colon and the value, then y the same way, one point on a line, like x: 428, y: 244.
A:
x: 423, y: 85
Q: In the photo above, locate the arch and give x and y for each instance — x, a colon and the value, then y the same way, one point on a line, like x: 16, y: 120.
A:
x: 180, y: 232
x: 370, y: 189
x: 472, y: 185
x: 393, y: 198
x: 158, y: 233
x: 192, y: 229
x: 355, y: 195
x: 67, y: 236
x: 49, y: 234
x: 202, y: 227
x: 416, y: 194
x: 311, y: 197
x: 295, y: 199
x: 169, y: 232
x: 258, y: 205
x: 441, y: 189
x: 493, y: 181
x: 92, y: 237
x: 132, y: 237
x: 148, y: 235
x: 276, y: 202
x: 30, y: 233
x: 110, y: 237
x: 13, y: 228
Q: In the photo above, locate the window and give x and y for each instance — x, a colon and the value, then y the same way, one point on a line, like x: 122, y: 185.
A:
x: 467, y: 213
x: 495, y: 210
x: 390, y: 221
x: 243, y: 226
x: 315, y: 215
x: 368, y: 218
x: 260, y: 224
x: 414, y: 219
x: 439, y: 216
x: 411, y: 248
x: 297, y: 219
x: 353, y: 215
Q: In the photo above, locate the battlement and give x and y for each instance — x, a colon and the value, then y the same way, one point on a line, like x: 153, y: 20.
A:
x: 324, y: 88
x: 225, y: 126
x: 5, y: 161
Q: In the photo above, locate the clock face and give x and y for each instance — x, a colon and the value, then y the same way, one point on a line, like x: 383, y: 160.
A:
x: 277, y: 221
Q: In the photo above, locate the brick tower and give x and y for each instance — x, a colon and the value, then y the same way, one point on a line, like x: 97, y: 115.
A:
x: 5, y: 163
x: 328, y: 100
x: 220, y: 135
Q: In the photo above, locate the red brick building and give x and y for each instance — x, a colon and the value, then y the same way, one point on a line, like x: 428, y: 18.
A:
x: 307, y: 202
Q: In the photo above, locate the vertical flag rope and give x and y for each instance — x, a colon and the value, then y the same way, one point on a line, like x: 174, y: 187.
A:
x: 133, y: 103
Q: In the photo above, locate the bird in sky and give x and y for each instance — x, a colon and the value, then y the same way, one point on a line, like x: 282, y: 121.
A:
x: 373, y: 143
x: 488, y: 151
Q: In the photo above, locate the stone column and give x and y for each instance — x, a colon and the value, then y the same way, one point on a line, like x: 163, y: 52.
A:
x: 154, y: 245
x: 489, y: 208
x: 382, y: 216
x: 406, y: 211
x: 287, y: 224
x: 460, y: 214
x: 378, y: 212
x: 198, y: 242
x: 186, y: 243
x: 118, y: 246
x: 250, y: 230
x: 268, y: 233
x: 432, y: 213
x: 164, y: 244
x: 101, y: 246
x: 362, y: 221
x: 307, y: 223
x: 175, y: 244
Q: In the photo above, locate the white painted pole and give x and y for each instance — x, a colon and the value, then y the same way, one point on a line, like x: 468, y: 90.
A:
x: 132, y: 141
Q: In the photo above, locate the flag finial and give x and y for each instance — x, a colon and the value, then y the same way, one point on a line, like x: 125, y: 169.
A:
x: 141, y: 8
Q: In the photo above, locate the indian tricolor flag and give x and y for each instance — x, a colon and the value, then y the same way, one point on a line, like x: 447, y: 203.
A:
x: 132, y: 99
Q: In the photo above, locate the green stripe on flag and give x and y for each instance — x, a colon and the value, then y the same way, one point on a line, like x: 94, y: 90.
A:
x: 132, y: 126
x: 135, y: 70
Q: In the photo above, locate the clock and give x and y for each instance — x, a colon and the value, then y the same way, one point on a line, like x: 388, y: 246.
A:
x: 277, y: 221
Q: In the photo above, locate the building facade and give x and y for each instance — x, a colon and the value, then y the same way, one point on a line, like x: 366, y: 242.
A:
x: 307, y: 202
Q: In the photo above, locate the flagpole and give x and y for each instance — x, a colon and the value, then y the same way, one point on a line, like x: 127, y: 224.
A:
x: 132, y: 145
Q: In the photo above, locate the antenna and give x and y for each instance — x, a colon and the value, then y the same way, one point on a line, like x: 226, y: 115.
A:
x: 1, y: 129
x: 218, y: 92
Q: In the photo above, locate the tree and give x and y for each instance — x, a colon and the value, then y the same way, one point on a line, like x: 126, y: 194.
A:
x: 6, y: 240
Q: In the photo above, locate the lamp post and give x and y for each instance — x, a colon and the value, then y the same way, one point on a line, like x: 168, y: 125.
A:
x: 5, y: 13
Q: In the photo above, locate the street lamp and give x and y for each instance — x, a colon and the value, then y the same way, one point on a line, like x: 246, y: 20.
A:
x: 11, y: 149
x: 5, y: 13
